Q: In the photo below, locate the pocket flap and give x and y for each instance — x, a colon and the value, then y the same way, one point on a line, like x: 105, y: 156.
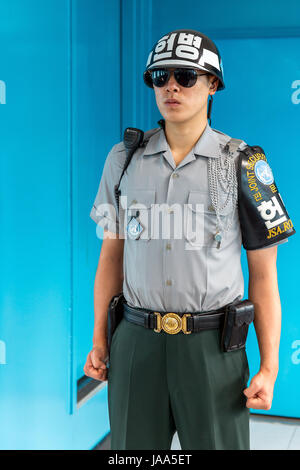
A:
x: 139, y: 198
x: 244, y: 314
x: 200, y: 201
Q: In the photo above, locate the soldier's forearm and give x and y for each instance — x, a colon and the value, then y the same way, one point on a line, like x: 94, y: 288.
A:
x: 263, y: 292
x: 108, y: 282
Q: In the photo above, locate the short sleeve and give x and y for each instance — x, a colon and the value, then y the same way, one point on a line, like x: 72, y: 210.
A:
x: 274, y: 244
x: 264, y: 219
x: 105, y: 211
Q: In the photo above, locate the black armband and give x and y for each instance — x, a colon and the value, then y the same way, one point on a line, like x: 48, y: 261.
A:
x: 263, y: 217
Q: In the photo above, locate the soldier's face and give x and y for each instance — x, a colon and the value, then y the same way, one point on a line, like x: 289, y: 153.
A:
x: 191, y: 101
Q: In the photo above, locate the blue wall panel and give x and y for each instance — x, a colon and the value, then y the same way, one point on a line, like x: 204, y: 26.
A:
x: 136, y: 108
x: 95, y: 128
x: 56, y: 130
x: 35, y: 228
x: 231, y: 19
x: 261, y: 106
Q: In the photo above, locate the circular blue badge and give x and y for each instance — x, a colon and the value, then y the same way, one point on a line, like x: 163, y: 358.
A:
x: 263, y: 172
x: 134, y: 228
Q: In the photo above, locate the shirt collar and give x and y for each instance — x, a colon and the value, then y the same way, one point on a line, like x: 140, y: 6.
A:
x: 208, y: 145
x: 157, y: 143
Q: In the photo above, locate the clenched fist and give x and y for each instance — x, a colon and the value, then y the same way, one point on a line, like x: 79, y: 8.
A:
x: 95, y: 365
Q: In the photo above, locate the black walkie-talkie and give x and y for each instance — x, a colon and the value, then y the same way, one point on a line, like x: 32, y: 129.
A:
x: 132, y: 139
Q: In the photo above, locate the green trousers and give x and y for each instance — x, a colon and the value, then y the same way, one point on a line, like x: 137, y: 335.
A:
x: 160, y: 383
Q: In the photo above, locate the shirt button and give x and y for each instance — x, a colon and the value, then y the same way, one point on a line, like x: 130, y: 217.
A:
x: 168, y: 246
x: 168, y: 282
x: 175, y: 175
x: 170, y: 211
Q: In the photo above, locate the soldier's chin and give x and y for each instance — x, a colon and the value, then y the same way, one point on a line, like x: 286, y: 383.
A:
x: 174, y: 116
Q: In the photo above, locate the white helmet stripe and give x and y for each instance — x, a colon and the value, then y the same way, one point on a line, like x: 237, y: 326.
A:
x: 210, y: 58
x: 162, y: 55
x: 177, y: 62
x: 149, y: 58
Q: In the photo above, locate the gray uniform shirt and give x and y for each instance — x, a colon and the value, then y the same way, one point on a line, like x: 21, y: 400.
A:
x: 166, y: 269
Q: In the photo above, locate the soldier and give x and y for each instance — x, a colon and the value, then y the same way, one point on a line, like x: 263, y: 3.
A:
x: 177, y: 357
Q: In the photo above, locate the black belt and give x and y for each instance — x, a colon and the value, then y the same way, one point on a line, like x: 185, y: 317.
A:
x: 171, y: 322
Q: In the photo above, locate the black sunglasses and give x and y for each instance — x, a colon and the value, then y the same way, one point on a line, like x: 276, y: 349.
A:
x: 184, y: 77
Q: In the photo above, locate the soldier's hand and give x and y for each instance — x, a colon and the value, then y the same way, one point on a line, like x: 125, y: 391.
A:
x: 260, y: 391
x: 95, y: 365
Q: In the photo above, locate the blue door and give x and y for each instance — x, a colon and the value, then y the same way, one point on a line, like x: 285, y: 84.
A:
x: 59, y: 114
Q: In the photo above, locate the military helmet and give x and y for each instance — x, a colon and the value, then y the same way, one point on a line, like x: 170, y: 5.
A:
x: 185, y: 48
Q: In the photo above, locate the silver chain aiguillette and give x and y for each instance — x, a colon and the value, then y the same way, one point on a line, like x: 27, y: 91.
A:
x: 222, y: 176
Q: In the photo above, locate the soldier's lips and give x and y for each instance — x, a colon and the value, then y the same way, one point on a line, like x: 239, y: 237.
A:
x: 172, y: 104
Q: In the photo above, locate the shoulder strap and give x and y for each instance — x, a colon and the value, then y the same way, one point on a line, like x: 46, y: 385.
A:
x: 149, y: 134
x: 234, y: 144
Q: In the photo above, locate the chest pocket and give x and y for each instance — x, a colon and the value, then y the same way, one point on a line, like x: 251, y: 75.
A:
x: 138, y: 205
x: 200, y: 222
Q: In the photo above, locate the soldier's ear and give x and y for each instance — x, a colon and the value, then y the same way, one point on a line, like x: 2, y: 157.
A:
x: 214, y: 84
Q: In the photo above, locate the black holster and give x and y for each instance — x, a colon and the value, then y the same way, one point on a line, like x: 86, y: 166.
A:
x: 114, y: 316
x: 238, y: 316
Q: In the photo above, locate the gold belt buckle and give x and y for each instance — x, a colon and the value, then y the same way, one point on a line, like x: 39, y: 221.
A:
x: 171, y: 323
